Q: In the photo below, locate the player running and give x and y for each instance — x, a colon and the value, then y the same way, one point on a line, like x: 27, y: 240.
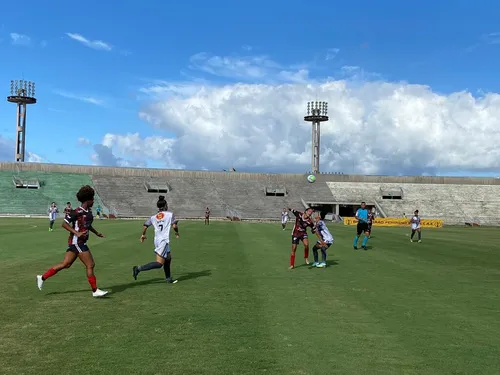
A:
x: 52, y: 211
x: 362, y: 227
x: 303, y: 220
x: 284, y: 218
x: 161, y: 222
x: 371, y: 217
x: 415, y: 226
x: 78, y: 222
x: 327, y: 238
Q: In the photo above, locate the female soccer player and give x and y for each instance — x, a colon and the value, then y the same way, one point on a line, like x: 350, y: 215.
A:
x: 303, y: 220
x: 162, y: 222
x: 415, y: 226
x: 78, y: 223
x: 327, y: 238
x: 53, y: 211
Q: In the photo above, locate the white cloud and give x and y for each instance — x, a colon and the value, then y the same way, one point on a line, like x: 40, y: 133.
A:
x: 7, y: 152
x: 375, y: 127
x: 248, y: 68
x: 82, y: 141
x: 20, y: 39
x: 34, y: 158
x: 138, y: 149
x: 331, y: 53
x: 94, y: 44
x: 82, y: 98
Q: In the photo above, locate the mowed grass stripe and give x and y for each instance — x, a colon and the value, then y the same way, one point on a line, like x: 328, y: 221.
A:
x: 399, y: 308
x: 428, y: 303
x: 317, y: 322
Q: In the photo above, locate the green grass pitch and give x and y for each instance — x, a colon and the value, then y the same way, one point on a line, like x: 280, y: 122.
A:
x: 399, y: 308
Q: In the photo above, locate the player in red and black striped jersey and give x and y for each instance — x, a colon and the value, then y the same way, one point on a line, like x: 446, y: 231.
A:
x: 303, y: 220
x: 67, y: 209
x: 78, y: 223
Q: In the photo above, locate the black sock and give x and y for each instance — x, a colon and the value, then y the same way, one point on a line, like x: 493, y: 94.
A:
x: 166, y: 268
x: 419, y: 236
x: 412, y: 234
x: 51, y: 224
x: 150, y: 266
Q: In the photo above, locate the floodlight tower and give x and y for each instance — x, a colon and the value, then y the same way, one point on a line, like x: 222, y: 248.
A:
x: 316, y: 114
x: 22, y: 93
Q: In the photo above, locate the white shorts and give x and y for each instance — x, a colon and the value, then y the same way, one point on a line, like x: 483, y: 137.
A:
x: 415, y: 227
x: 162, y: 248
x: 284, y: 221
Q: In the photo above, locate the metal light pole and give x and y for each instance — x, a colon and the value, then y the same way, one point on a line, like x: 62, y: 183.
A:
x: 22, y: 93
x: 316, y: 114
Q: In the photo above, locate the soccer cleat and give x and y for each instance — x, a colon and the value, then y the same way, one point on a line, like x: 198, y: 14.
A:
x: 39, y: 281
x: 364, y: 247
x: 321, y: 265
x: 355, y: 247
x: 291, y: 267
x: 99, y: 293
x: 170, y: 281
x: 419, y: 241
x: 135, y: 272
x: 315, y: 264
x: 307, y: 261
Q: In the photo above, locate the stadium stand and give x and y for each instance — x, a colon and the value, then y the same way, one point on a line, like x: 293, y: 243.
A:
x: 132, y: 192
x: 453, y: 203
x: 30, y: 193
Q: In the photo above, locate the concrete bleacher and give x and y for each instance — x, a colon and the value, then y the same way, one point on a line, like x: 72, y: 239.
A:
x: 54, y: 187
x: 125, y: 192
x: 454, y: 203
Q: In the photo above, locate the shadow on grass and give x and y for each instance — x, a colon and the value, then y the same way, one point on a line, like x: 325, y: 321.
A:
x: 120, y: 288
x: 330, y: 262
x: 186, y: 276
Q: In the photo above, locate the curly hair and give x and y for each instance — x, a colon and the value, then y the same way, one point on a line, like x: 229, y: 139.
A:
x: 86, y: 193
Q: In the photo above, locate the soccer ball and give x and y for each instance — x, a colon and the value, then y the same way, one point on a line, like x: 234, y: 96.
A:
x: 311, y: 178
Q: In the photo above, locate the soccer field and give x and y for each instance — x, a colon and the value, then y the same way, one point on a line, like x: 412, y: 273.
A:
x: 398, y: 308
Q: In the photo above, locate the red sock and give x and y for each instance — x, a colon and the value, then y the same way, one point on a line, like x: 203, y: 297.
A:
x: 306, y: 253
x: 292, y: 260
x: 51, y: 272
x: 93, y: 282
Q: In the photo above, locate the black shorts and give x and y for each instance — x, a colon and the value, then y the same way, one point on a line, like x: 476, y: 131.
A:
x: 369, y: 227
x: 296, y: 240
x: 361, y: 227
x: 78, y: 248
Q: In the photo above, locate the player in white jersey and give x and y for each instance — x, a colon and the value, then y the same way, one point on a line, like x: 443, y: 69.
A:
x: 284, y: 218
x: 161, y: 222
x: 52, y: 211
x: 415, y: 226
x: 327, y: 238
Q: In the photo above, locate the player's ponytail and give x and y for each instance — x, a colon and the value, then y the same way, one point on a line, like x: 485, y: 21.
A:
x: 162, y: 203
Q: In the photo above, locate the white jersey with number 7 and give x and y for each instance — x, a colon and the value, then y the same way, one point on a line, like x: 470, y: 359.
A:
x: 162, y: 222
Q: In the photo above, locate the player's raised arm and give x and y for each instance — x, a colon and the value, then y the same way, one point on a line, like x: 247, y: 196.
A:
x: 295, y: 212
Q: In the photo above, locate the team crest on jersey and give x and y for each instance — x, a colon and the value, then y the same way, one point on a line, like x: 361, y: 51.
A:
x: 160, y: 216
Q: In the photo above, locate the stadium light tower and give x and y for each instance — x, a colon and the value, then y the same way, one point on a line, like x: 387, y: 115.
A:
x: 22, y: 93
x: 317, y: 112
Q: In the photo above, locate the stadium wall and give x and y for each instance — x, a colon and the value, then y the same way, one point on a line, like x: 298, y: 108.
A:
x: 149, y: 172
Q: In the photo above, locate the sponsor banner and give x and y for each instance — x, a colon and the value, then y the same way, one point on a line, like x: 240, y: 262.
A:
x: 397, y: 222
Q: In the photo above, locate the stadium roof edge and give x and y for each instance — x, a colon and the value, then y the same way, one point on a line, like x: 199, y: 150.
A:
x: 280, y: 177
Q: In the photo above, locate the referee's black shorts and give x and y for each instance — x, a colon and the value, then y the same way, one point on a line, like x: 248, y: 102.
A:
x: 361, y: 228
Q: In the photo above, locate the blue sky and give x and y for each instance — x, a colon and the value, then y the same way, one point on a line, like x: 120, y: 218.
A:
x: 92, y: 61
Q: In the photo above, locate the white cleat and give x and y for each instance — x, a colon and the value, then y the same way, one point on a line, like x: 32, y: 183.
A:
x: 39, y: 281
x: 99, y: 293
